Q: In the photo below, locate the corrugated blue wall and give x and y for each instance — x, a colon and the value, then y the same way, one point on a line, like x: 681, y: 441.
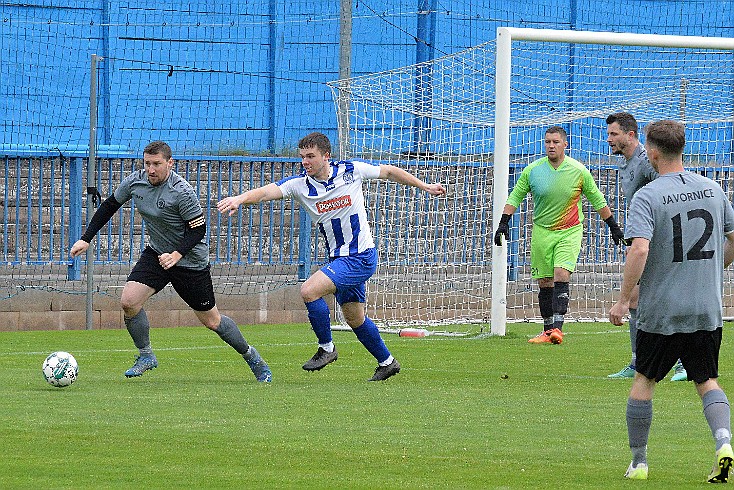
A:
x: 248, y: 77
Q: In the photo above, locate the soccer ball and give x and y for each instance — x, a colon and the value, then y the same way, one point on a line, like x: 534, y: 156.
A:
x: 60, y: 369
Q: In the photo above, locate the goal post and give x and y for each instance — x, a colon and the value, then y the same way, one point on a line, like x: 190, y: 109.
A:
x: 706, y: 76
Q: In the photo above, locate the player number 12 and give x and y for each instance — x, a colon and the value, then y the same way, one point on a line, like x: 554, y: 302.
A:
x: 696, y: 252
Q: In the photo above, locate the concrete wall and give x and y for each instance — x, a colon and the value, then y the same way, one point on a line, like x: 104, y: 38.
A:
x: 50, y: 310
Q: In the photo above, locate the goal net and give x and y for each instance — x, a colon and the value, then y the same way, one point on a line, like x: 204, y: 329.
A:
x: 473, y: 122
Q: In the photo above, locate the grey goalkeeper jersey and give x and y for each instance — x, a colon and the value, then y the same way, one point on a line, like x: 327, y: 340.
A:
x: 166, y: 209
x: 686, y: 217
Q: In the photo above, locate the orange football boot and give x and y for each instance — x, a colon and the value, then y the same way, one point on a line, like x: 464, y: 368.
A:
x: 555, y: 336
x: 541, y: 338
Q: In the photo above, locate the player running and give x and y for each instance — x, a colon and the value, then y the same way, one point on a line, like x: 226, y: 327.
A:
x: 332, y: 194
x: 176, y: 253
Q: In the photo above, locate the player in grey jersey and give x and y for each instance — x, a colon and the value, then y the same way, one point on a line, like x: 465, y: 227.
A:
x: 682, y: 231
x: 634, y: 172
x: 176, y: 253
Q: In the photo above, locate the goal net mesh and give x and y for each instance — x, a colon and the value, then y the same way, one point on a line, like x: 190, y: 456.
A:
x: 437, y: 120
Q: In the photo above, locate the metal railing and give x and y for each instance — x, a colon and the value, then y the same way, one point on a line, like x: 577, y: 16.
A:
x: 43, y: 211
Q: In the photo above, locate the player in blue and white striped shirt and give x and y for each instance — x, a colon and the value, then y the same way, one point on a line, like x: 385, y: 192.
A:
x: 331, y: 192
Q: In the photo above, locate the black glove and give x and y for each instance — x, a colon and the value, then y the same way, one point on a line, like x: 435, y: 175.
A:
x: 617, y: 234
x: 502, y: 229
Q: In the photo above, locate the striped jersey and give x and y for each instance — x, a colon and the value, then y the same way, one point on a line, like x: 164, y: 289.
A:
x: 337, y: 205
x: 557, y: 192
x: 166, y: 209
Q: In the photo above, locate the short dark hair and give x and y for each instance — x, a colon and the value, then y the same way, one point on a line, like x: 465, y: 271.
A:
x: 318, y: 140
x: 667, y: 136
x: 159, y: 148
x: 625, y: 120
x: 557, y: 130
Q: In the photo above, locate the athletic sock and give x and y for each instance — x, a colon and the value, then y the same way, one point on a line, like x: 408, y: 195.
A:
x: 560, y: 303
x: 231, y: 334
x: 139, y: 329
x: 717, y: 412
x: 368, y: 334
x: 545, y: 302
x: 320, y: 318
x: 639, y: 419
x: 633, y: 336
x: 327, y: 347
x: 558, y: 321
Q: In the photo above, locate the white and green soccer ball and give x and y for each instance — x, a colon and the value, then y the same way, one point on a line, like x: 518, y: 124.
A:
x: 60, y: 369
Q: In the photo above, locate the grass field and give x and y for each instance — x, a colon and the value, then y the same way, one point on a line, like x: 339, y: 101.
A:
x: 450, y: 419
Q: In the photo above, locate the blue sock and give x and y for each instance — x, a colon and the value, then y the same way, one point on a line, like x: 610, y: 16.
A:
x: 368, y: 334
x: 320, y: 318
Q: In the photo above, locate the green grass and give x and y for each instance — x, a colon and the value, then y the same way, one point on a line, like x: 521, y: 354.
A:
x: 448, y: 420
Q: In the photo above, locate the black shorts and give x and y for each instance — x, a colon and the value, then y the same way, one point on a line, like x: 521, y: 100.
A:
x: 698, y: 351
x: 193, y: 286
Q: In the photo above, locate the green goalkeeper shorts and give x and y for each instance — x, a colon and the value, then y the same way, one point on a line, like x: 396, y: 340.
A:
x: 554, y: 248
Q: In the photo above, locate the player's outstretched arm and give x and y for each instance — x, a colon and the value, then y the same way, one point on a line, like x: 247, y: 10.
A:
x: 397, y: 174
x: 104, y: 213
x: 268, y: 192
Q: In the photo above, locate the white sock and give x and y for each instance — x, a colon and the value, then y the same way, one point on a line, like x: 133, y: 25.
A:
x: 387, y: 361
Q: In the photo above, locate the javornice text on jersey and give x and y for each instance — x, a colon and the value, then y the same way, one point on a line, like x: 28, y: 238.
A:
x: 688, y: 196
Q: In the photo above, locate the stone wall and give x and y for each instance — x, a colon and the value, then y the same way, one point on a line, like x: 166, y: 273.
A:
x: 49, y: 310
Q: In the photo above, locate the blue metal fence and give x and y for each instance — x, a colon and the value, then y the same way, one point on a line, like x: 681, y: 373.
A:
x: 44, y: 211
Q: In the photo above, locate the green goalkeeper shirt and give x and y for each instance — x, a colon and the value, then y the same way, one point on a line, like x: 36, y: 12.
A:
x: 557, y: 192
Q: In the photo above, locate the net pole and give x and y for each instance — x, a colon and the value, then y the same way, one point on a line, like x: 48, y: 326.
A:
x: 91, y: 162
x: 501, y: 179
x: 345, y: 71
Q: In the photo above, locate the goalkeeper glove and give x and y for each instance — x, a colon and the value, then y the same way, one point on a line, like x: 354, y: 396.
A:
x: 617, y: 234
x: 502, y: 229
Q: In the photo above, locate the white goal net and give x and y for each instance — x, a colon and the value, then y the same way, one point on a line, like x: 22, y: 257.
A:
x: 443, y: 121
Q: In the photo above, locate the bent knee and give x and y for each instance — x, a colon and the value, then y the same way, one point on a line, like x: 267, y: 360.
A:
x: 131, y: 308
x: 354, y: 314
x: 309, y: 292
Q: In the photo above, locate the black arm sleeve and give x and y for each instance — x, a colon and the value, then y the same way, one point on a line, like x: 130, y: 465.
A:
x: 104, y: 212
x: 193, y: 234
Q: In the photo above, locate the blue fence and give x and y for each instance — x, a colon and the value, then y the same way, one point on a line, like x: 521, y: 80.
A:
x: 44, y: 212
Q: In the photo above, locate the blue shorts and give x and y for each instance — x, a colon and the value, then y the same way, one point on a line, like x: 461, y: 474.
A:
x: 349, y: 275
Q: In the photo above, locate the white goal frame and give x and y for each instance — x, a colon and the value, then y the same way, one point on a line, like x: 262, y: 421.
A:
x: 505, y: 36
